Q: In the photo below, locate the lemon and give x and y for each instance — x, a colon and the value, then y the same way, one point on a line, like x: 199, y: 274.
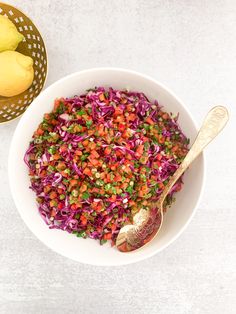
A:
x: 9, y: 36
x: 16, y: 73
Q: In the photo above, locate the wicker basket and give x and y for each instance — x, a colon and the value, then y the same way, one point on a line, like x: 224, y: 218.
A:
x: 33, y: 46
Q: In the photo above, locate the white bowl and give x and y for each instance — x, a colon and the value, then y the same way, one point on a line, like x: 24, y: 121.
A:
x: 89, y: 251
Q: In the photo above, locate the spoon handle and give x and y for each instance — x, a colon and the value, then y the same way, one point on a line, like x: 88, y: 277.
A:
x: 214, y: 122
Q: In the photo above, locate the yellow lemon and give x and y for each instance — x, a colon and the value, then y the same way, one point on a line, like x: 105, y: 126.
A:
x: 16, y: 73
x: 9, y: 36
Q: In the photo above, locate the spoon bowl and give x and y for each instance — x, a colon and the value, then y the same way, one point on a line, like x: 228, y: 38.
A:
x: 147, y: 223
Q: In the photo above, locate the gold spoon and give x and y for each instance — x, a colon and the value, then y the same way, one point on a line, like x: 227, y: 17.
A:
x: 147, y: 222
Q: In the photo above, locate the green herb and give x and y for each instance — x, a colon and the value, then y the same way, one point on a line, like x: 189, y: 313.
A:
x: 146, y: 146
x: 54, y: 203
x: 81, y: 112
x: 85, y: 195
x: 81, y: 234
x: 45, y: 125
x: 72, y: 200
x: 70, y: 129
x: 89, y: 123
x: 107, y: 187
x: 61, y: 108
x: 51, y: 168
x: 103, y: 241
x: 187, y: 141
x: 146, y: 126
x: 52, y: 150
x: 75, y: 193
x: 129, y: 189
x: 84, y: 157
x: 67, y: 171
x: 113, y: 189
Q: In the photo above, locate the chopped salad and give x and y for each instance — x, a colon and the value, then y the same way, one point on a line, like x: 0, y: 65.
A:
x: 98, y: 158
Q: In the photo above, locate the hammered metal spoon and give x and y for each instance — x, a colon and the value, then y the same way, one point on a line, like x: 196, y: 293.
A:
x: 147, y: 222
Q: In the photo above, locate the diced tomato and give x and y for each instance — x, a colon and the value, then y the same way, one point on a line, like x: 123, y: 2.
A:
x: 129, y: 157
x: 131, y: 203
x: 85, y: 143
x: 46, y: 116
x: 95, y: 154
x: 73, y: 182
x: 165, y: 116
x: 60, y: 206
x: 101, y: 130
x: 118, y: 178
x: 61, y: 166
x: 53, y: 213
x: 124, y: 185
x: 87, y: 171
x: 161, y: 139
x: 159, y: 156
x: 107, y: 150
x: 78, y: 152
x: 56, y: 156
x: 94, y: 162
x: 129, y: 107
x: 83, y: 220
x: 120, y: 119
x: 121, y: 127
x: 83, y: 188
x: 74, y: 206
x: 99, y: 207
x: 53, y: 195
x: 113, y: 227
x: 118, y: 111
x: 107, y: 236
x: 150, y: 121
x: 126, y: 134
x: 139, y: 150
x: 39, y: 132
x: 46, y: 189
x: 63, y: 148
x: 175, y: 148
x: 101, y: 97
x: 92, y: 146
x: 132, y: 117
x: 113, y: 198
x: 141, y: 193
x: 54, y: 122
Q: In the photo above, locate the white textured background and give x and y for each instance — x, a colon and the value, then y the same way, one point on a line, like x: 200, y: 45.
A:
x: 191, y: 47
